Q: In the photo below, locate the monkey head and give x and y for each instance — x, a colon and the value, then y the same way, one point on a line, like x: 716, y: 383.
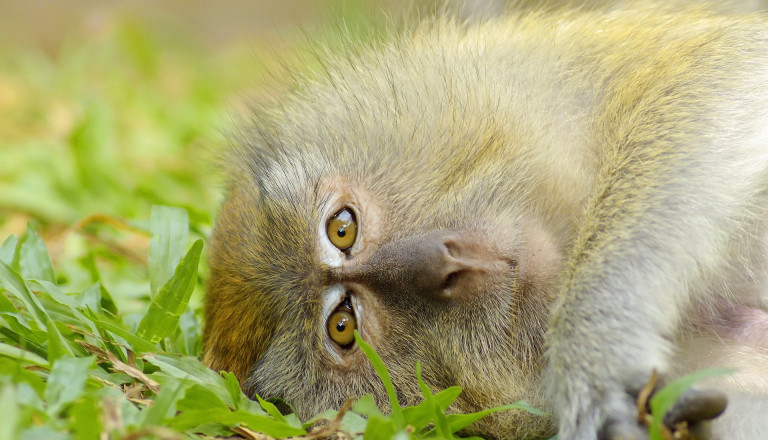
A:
x: 385, y: 216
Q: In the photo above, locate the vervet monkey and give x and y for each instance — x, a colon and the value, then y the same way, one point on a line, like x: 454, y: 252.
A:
x: 543, y: 207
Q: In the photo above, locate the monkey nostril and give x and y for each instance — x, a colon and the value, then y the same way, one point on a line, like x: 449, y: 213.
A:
x: 451, y: 280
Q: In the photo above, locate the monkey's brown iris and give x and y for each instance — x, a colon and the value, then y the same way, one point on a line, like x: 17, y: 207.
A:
x: 341, y: 327
x: 342, y: 229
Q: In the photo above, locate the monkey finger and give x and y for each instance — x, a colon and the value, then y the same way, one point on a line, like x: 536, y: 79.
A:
x: 701, y: 430
x: 622, y: 430
x: 695, y: 406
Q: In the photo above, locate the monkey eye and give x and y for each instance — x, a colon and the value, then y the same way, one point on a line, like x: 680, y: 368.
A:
x: 341, y: 326
x: 342, y: 229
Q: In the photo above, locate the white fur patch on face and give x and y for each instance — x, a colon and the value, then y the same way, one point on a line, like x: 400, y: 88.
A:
x: 329, y: 254
x: 332, y: 297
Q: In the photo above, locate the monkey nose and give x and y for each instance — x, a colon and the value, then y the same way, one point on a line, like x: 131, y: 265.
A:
x: 440, y: 265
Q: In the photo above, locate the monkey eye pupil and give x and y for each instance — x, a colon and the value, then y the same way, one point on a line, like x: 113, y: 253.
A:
x: 342, y: 229
x: 341, y: 327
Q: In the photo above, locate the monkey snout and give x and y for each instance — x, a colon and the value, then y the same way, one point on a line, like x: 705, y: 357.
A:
x: 439, y: 265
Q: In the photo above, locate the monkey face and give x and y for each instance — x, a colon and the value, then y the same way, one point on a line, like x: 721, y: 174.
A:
x: 301, y: 260
x: 410, y: 229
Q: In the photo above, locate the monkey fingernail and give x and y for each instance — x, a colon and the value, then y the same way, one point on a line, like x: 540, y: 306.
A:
x: 696, y: 405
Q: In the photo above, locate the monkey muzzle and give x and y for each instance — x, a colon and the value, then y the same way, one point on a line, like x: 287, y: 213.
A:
x: 439, y: 265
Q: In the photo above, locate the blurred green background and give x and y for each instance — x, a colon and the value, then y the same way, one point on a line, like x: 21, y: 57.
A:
x: 110, y: 107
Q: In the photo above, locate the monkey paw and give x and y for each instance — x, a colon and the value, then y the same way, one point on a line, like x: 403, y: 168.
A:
x: 687, y: 419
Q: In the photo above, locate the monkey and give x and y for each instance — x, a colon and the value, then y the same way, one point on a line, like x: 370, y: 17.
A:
x: 546, y: 206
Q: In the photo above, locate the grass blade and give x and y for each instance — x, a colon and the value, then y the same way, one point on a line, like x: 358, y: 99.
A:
x: 34, y: 259
x: 170, y: 231
x: 460, y: 421
x: 166, y: 308
x: 666, y: 397
x: 381, y: 369
x: 191, y: 419
x: 163, y: 405
x: 66, y: 382
x: 421, y: 412
x: 442, y: 427
x: 12, y: 281
x: 137, y: 343
x: 10, y: 410
x: 8, y: 249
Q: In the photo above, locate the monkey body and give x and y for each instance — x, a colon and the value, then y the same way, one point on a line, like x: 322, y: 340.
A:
x: 589, y: 184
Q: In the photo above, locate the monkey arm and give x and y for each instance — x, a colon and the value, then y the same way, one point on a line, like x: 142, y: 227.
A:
x: 622, y: 298
x: 682, y: 180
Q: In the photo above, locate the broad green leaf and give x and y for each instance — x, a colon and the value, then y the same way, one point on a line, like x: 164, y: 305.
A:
x: 18, y: 373
x: 164, y: 404
x: 190, y: 368
x: 167, y: 306
x: 34, y: 258
x: 90, y: 298
x: 380, y: 428
x: 328, y: 414
x: 214, y: 430
x: 170, y: 231
x: 15, y: 284
x: 292, y: 420
x: 366, y: 406
x: 28, y: 396
x: 187, y: 367
x: 138, y: 344
x: 21, y: 334
x: 57, y: 345
x: 381, y: 369
x: 66, y: 382
x: 233, y: 387
x: 10, y: 412
x: 271, y: 409
x: 189, y: 334
x: 22, y: 355
x: 353, y: 423
x: 43, y: 433
x: 69, y: 302
x: 85, y: 418
x: 198, y: 396
x: 190, y: 419
x: 8, y: 249
x: 106, y: 301
x: 402, y: 435
x: 422, y: 411
x: 6, y: 306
